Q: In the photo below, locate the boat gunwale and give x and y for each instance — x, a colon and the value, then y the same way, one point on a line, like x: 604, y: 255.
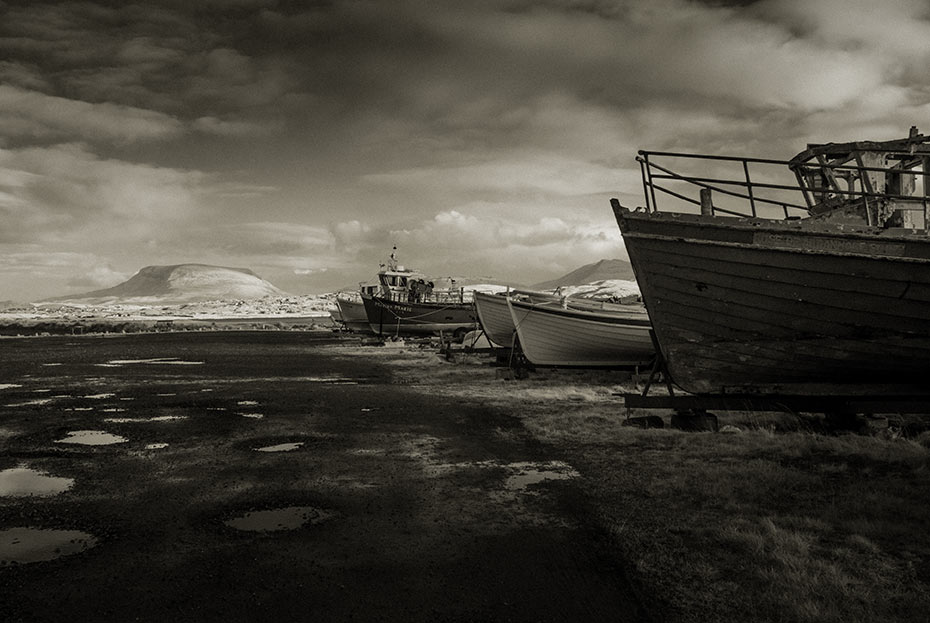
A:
x: 604, y: 317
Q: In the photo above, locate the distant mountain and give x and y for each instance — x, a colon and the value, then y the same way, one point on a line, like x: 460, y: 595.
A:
x: 599, y: 271
x: 178, y: 284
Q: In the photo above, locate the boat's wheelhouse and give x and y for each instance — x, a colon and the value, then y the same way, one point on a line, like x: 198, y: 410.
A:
x: 884, y: 184
x: 410, y: 286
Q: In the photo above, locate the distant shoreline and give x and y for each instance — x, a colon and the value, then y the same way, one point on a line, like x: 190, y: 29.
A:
x: 30, y: 327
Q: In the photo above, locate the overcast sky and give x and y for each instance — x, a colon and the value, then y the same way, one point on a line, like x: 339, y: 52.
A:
x: 482, y: 137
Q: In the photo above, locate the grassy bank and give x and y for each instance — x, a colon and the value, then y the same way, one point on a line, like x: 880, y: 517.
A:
x: 756, y: 525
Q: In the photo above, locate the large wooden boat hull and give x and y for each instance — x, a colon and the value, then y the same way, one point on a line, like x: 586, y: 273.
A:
x: 353, y: 314
x: 551, y: 335
x: 744, y: 305
x: 494, y: 316
x: 387, y: 317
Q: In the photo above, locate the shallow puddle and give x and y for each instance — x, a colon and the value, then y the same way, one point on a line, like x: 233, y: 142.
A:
x: 92, y: 438
x: 247, y: 403
x: 289, y: 518
x: 155, y: 446
x: 140, y: 420
x: 533, y: 473
x: 332, y: 380
x: 24, y: 545
x: 23, y: 481
x: 29, y: 403
x: 169, y: 361
x: 99, y: 396
x: 9, y: 385
x: 254, y: 416
x: 281, y: 447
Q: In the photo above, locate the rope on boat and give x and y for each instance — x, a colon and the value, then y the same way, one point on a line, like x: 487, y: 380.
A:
x: 432, y: 311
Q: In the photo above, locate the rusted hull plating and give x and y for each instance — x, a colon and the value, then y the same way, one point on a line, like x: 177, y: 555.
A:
x: 387, y: 317
x: 766, y: 307
x: 553, y: 336
x: 494, y: 316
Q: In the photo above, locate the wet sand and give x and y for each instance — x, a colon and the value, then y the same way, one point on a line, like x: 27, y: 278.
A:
x: 359, y: 493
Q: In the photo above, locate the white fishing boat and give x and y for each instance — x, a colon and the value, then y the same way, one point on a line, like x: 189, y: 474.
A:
x: 586, y: 333
x: 495, y: 319
x: 352, y: 312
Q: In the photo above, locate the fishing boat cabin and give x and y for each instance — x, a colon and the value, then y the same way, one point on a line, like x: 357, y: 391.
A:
x: 877, y: 184
x: 402, y: 285
x: 882, y: 185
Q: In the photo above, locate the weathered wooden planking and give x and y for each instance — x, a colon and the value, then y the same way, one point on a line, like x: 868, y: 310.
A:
x: 730, y: 312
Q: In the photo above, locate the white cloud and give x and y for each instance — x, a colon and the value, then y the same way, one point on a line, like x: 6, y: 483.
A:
x: 66, y: 192
x: 34, y: 114
x: 31, y: 272
x: 97, y: 277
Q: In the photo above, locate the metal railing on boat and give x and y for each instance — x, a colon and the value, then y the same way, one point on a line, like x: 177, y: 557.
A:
x: 744, y: 196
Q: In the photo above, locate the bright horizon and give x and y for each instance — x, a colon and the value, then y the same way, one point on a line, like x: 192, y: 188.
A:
x: 484, y: 139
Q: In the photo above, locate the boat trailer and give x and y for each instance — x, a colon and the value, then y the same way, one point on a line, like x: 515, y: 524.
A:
x: 837, y: 405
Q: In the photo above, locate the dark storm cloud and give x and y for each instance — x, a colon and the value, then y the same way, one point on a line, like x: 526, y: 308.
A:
x: 265, y: 131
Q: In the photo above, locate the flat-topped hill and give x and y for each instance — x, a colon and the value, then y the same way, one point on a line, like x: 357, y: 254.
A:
x: 181, y: 283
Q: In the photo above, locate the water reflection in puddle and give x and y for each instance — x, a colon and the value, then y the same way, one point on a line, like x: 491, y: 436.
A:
x: 28, y: 403
x: 138, y: 420
x: 289, y: 518
x: 533, y: 473
x: 155, y: 446
x: 247, y: 403
x: 9, y: 385
x: 170, y: 361
x: 332, y: 380
x: 254, y: 416
x: 99, y: 396
x: 91, y: 438
x: 23, y: 481
x: 24, y: 545
x: 281, y: 447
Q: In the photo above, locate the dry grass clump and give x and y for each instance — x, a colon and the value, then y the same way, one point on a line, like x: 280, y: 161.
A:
x: 762, y: 527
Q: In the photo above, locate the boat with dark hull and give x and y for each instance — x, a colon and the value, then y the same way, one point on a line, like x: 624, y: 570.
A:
x: 832, y: 299
x: 586, y: 334
x: 407, y: 302
x: 387, y: 316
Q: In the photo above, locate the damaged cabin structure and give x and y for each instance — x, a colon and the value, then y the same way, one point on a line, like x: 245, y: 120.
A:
x: 880, y: 184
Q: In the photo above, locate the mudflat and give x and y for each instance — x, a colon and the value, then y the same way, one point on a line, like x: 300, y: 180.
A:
x: 250, y: 476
